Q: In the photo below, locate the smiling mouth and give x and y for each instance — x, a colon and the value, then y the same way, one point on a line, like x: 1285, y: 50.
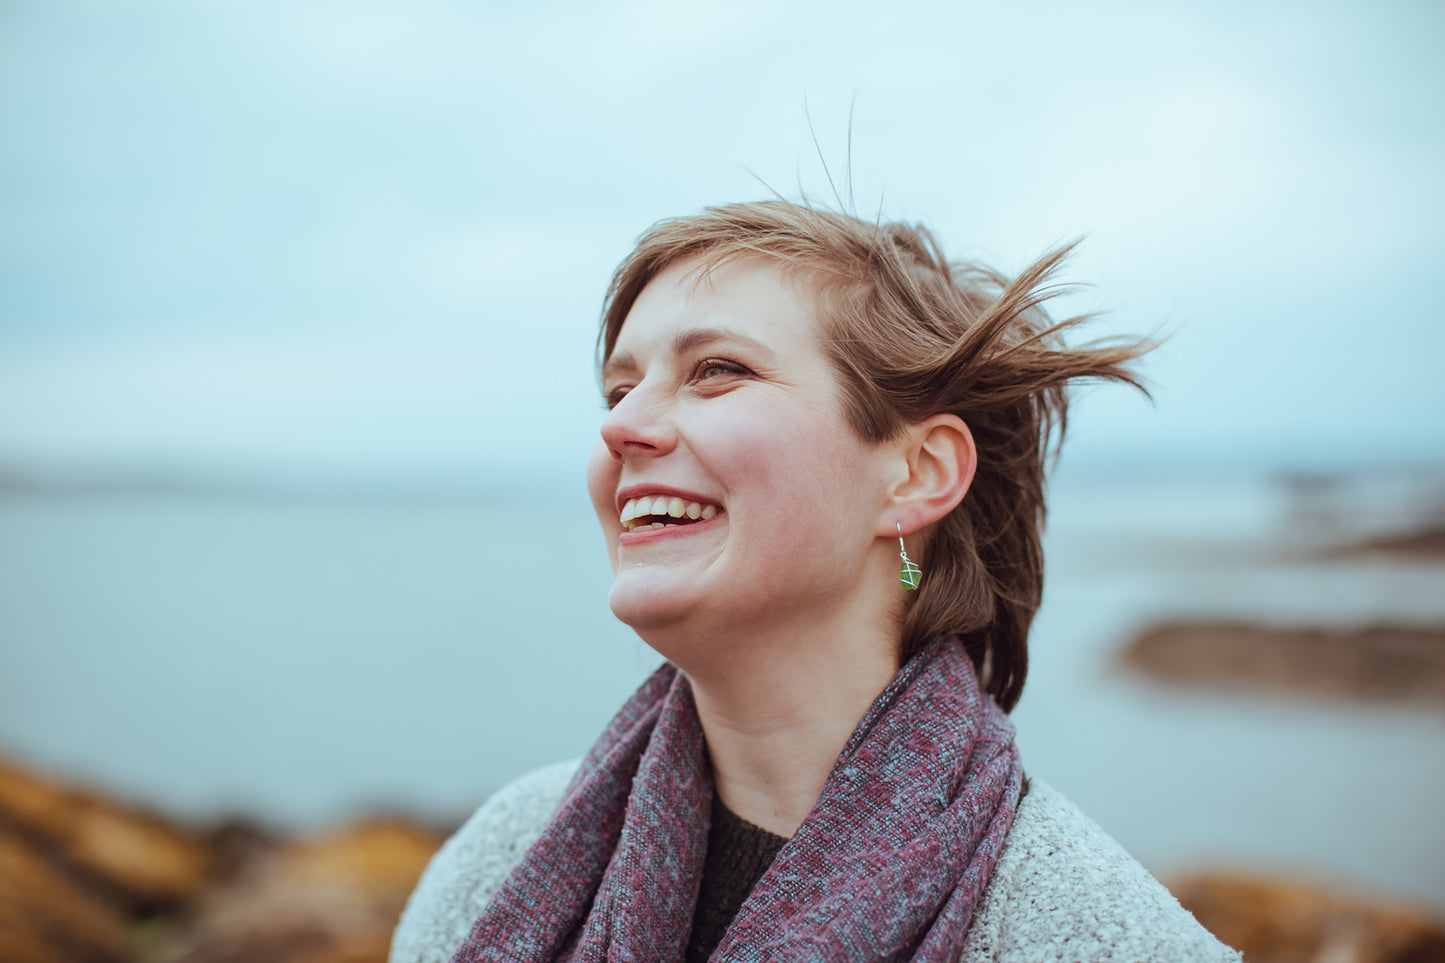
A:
x: 663, y: 511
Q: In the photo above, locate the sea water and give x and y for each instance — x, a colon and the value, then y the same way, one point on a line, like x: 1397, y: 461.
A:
x: 307, y: 659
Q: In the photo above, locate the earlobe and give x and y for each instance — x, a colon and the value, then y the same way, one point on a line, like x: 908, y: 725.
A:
x: 941, y: 461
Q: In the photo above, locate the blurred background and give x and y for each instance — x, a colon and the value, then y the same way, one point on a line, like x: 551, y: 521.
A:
x: 297, y: 315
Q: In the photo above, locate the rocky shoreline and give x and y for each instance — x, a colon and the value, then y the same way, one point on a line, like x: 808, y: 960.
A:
x: 89, y: 879
x: 1379, y: 663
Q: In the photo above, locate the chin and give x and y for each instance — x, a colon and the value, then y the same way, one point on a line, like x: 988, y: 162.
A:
x: 646, y: 605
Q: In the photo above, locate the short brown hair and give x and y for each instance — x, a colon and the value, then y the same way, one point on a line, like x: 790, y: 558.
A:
x: 913, y: 335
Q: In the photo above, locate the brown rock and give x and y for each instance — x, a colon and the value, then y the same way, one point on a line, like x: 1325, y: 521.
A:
x: 33, y: 804
x: 1374, y: 663
x: 1427, y: 544
x: 147, y: 860
x: 279, y: 943
x: 1290, y: 921
x: 16, y: 948
x: 45, y: 915
x: 334, y: 898
x: 380, y: 857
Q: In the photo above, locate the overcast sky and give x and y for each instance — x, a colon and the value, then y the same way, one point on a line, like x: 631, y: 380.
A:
x: 367, y: 239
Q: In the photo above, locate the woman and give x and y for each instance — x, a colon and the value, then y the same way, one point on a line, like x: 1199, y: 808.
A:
x: 801, y: 405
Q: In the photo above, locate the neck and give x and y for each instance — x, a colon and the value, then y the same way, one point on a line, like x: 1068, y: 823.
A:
x: 777, y: 712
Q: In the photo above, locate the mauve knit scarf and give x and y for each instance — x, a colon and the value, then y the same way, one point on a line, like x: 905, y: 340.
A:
x: 889, y: 865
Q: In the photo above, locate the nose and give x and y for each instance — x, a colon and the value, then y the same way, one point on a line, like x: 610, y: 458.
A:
x: 638, y: 426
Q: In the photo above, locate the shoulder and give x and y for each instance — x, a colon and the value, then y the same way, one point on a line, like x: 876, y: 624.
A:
x: 1063, y: 889
x: 469, y: 867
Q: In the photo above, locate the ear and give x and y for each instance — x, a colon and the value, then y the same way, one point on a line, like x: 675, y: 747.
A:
x: 940, y: 459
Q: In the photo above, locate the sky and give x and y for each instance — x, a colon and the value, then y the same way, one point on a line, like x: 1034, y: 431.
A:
x: 367, y: 241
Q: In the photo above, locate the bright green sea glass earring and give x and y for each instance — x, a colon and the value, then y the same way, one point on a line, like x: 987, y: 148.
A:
x: 911, y: 574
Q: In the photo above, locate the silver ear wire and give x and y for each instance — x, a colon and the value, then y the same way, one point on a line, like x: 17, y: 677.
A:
x: 910, y: 575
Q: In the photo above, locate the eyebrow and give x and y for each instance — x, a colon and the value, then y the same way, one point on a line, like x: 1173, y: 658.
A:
x: 685, y: 342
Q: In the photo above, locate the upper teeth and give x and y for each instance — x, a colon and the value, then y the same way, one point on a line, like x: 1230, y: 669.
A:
x: 669, y: 505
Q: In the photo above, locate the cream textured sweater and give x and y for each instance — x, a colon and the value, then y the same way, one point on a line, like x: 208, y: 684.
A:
x: 1062, y: 889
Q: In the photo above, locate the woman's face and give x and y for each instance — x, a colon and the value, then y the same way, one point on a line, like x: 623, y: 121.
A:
x: 729, y: 486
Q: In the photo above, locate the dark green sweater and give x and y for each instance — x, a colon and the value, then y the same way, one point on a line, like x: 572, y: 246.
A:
x: 738, y: 854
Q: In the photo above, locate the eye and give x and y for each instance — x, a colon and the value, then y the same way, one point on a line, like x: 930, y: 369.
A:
x: 612, y: 397
x: 710, y: 368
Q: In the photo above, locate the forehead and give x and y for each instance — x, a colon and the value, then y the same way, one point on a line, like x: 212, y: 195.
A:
x: 752, y: 297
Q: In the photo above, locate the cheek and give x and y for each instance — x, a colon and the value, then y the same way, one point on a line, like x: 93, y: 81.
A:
x: 804, y: 470
x: 752, y: 449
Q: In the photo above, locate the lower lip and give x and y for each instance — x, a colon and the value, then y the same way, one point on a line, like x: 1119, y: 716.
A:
x: 646, y: 535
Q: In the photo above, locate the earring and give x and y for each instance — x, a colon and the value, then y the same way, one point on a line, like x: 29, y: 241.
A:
x: 911, y: 574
